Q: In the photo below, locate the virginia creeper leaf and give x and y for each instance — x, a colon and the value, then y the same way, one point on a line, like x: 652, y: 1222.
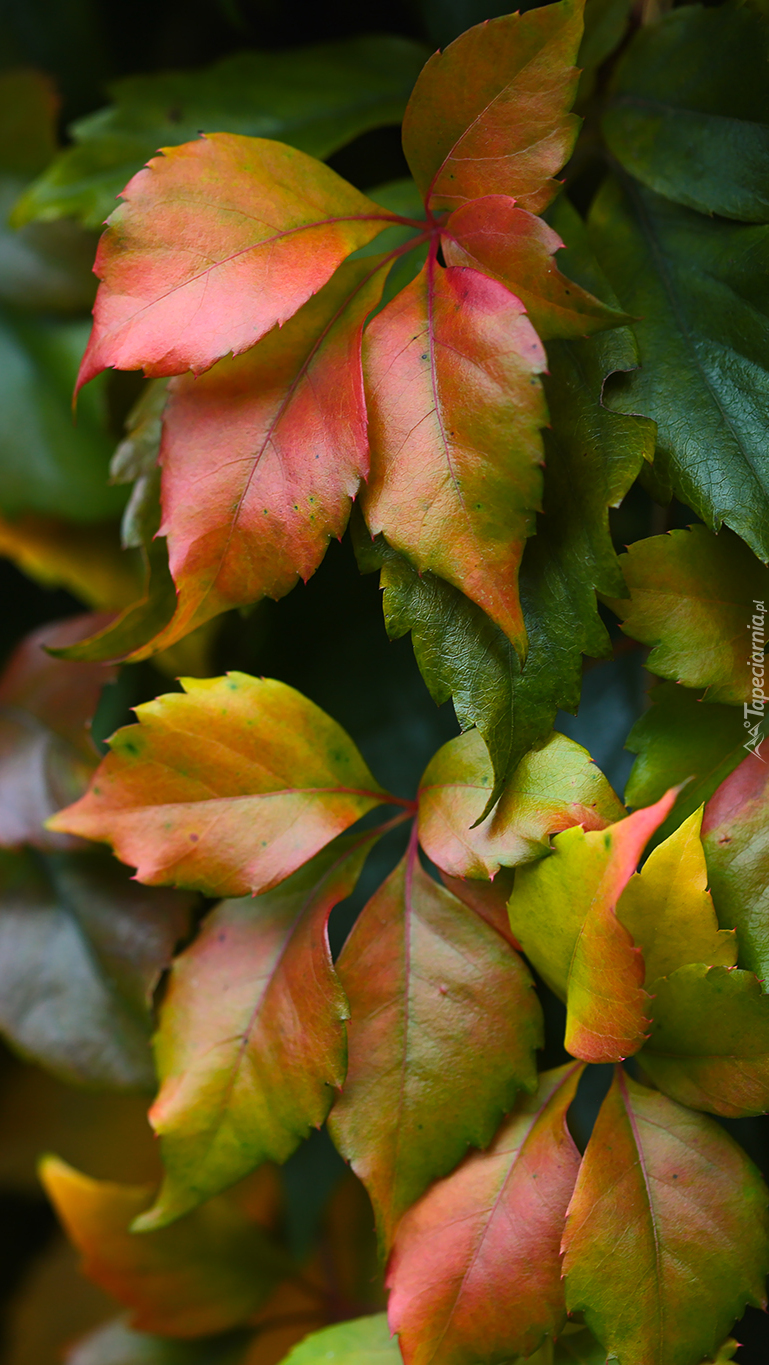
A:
x: 552, y: 788
x: 490, y: 115
x: 563, y: 913
x: 317, y: 98
x: 82, y: 949
x: 455, y: 409
x: 698, y: 287
x: 116, y: 1344
x: 362, y: 1341
x: 735, y: 835
x: 487, y: 899
x: 667, y: 1237
x: 46, y: 752
x: 691, y: 596
x: 475, y: 1272
x: 251, y: 1041
x: 227, y: 788
x: 669, y: 911
x: 443, y: 1026
x: 210, y: 1272
x: 215, y: 243
x: 514, y: 247
x: 689, y: 114
x: 709, y: 1042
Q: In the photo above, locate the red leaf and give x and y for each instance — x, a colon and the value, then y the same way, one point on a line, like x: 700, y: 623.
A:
x: 217, y: 242
x: 475, y: 1272
x: 487, y: 899
x: 456, y: 409
x: 490, y: 114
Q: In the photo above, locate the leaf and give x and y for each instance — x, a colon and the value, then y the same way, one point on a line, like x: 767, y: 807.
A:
x: 696, y: 286
x: 692, y: 596
x: 736, y: 841
x: 514, y: 247
x: 563, y: 912
x: 553, y: 787
x: 117, y: 1344
x: 316, y: 97
x: 362, y: 1341
x: 227, y: 788
x: 455, y: 409
x: 487, y: 899
x: 208, y: 1273
x: 86, y: 560
x: 669, y: 911
x: 688, y: 113
x: 215, y: 243
x: 709, y: 1042
x: 251, y: 1043
x: 82, y: 949
x: 443, y: 1026
x: 676, y: 739
x: 475, y: 1272
x: 490, y: 114
x: 666, y: 1238
x: 46, y: 751
x: 606, y: 23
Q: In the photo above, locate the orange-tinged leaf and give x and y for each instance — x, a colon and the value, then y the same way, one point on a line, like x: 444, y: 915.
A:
x: 475, y: 1272
x: 262, y: 456
x: 216, y: 242
x: 251, y: 1043
x: 487, y: 899
x: 456, y: 408
x: 667, y: 1236
x: 553, y: 787
x: 563, y: 912
x: 210, y: 1272
x: 497, y: 237
x: 443, y: 1026
x: 490, y: 115
x: 226, y: 788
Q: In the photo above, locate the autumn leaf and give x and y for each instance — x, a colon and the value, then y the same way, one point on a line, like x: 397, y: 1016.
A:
x: 736, y: 841
x: 487, y: 899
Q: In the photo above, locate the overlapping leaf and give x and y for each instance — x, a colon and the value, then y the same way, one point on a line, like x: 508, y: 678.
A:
x: 667, y: 1237
x: 226, y: 788
x: 735, y: 834
x: 475, y: 1272
x: 553, y: 787
x: 444, y: 1023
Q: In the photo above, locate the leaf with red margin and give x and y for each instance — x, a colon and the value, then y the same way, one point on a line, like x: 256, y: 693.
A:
x: 667, y: 1236
x: 475, y: 1271
x: 552, y: 788
x: 251, y: 1041
x: 490, y: 115
x: 46, y: 751
x: 735, y: 836
x: 563, y: 911
x: 217, y: 242
x: 516, y: 248
x: 443, y: 1026
x: 210, y: 1272
x: 225, y: 788
x: 456, y: 408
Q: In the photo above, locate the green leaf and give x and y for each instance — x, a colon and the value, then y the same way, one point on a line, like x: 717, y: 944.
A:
x: 692, y: 597
x: 553, y: 787
x: 735, y: 835
x: 709, y: 1042
x: 362, y: 1341
x: 689, y: 110
x: 444, y: 1023
x: 700, y: 289
x: 667, y: 1236
x: 606, y: 23
x: 82, y: 949
x: 117, y: 1344
x: 315, y: 98
x: 251, y: 1043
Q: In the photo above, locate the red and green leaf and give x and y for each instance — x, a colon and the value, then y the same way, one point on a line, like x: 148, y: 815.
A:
x: 735, y: 836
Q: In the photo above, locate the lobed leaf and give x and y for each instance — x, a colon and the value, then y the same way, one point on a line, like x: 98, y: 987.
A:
x: 475, y: 1272
x: 667, y: 1237
x: 227, y: 788
x: 735, y: 835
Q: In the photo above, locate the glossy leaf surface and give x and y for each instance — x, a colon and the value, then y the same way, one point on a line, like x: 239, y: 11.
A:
x: 228, y: 787
x: 362, y: 1341
x: 475, y: 1273
x: 490, y: 115
x: 735, y: 834
x: 553, y: 788
x: 215, y: 243
x: 443, y: 1026
x: 667, y: 1236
